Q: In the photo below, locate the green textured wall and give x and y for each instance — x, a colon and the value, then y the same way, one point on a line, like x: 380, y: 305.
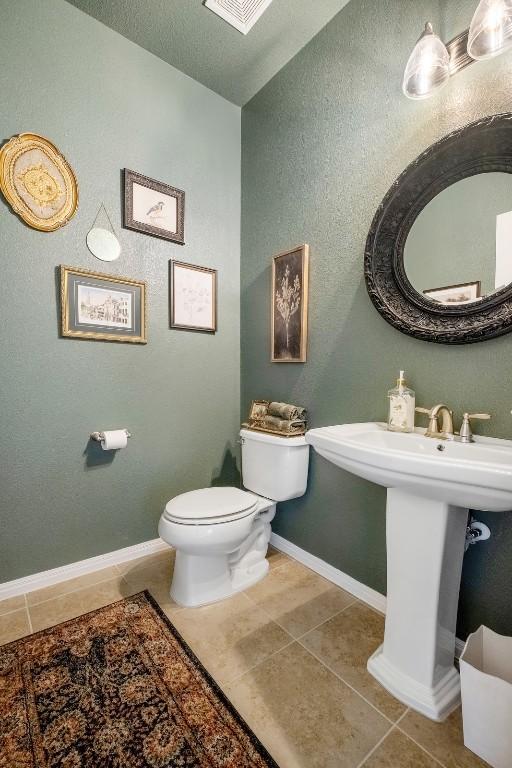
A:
x: 108, y: 104
x: 321, y: 144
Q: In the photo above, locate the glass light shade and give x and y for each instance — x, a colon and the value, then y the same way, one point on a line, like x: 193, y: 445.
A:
x: 490, y: 32
x: 428, y: 67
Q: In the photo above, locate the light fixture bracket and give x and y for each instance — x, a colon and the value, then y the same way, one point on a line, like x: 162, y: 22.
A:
x: 458, y: 51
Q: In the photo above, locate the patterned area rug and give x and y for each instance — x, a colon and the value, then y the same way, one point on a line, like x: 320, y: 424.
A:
x: 117, y: 688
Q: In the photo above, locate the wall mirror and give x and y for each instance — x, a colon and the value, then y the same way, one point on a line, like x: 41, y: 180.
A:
x: 438, y: 259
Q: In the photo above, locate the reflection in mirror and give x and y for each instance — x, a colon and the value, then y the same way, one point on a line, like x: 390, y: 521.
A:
x: 459, y: 249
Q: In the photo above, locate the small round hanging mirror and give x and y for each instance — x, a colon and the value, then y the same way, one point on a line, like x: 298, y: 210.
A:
x: 103, y: 242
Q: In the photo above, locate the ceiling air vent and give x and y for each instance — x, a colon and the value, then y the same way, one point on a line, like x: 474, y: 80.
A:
x: 241, y: 14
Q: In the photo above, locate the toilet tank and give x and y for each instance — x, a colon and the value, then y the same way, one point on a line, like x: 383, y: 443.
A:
x: 274, y: 467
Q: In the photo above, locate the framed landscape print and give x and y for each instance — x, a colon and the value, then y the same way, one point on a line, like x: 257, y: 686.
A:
x: 193, y: 297
x: 455, y: 294
x: 289, y: 307
x: 153, y: 207
x: 102, y: 307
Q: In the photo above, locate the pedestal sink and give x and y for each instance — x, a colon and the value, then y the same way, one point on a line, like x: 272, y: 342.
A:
x: 431, y: 485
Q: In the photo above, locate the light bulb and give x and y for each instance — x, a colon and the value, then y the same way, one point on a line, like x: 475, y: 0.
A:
x: 490, y: 32
x: 428, y: 67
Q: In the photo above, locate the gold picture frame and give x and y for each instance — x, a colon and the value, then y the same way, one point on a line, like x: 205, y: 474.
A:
x: 38, y: 182
x: 102, y: 307
x: 289, y: 305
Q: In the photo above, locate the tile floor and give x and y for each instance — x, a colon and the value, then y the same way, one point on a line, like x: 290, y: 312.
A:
x: 291, y: 655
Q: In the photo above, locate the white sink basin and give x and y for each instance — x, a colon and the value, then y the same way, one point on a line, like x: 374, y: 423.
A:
x: 431, y: 485
x: 476, y: 475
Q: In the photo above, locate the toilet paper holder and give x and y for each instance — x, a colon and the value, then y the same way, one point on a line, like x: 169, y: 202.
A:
x: 99, y: 436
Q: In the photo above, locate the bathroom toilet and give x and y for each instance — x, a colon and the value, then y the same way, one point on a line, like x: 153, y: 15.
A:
x: 221, y: 535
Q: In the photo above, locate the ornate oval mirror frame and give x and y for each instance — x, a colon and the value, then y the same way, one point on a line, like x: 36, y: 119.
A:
x: 484, y: 146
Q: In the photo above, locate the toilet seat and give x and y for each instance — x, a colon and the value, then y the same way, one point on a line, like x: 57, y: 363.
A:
x: 208, y: 506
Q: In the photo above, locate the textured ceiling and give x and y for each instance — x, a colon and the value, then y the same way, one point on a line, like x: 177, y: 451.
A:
x: 193, y: 39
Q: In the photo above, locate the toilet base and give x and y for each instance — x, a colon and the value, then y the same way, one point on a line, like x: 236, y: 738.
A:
x: 201, y: 581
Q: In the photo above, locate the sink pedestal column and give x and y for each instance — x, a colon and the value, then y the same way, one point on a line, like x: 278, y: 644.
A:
x: 425, y: 548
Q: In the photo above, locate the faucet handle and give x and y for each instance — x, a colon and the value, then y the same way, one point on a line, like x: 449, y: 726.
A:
x: 466, y: 435
x: 418, y: 409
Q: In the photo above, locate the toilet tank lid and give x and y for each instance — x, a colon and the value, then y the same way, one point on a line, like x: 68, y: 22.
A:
x: 210, y: 503
x: 265, y: 437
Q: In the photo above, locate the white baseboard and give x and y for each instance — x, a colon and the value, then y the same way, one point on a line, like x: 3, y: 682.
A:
x: 358, y: 589
x: 65, y: 572
x: 366, y: 594
x: 47, y: 578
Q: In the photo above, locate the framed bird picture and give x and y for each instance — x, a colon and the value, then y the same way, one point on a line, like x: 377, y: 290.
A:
x: 153, y: 207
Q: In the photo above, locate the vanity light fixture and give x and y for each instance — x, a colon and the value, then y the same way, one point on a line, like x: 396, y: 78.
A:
x: 490, y: 32
x: 428, y: 68
x: 431, y: 62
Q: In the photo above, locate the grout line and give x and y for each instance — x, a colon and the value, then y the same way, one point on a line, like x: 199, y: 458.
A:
x: 300, y: 637
x: 276, y: 621
x: 258, y: 664
x: 14, y: 610
x: 375, y: 748
x: 71, y: 591
x: 378, y: 744
x: 373, y: 706
x: 292, y: 640
x: 434, y: 758
x: 28, y: 614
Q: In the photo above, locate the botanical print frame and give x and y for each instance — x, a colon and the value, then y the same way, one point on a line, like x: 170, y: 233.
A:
x: 461, y: 293
x: 153, y: 207
x: 102, y: 307
x: 38, y: 182
x: 193, y: 297
x: 289, y: 305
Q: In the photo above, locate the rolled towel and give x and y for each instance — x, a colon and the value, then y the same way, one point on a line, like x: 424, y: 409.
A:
x: 286, y: 411
x: 290, y: 426
x: 259, y: 409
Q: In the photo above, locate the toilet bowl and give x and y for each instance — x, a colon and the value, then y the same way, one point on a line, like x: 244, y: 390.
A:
x: 221, y: 535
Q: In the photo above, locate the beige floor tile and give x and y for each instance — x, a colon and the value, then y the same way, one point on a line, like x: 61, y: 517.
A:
x: 345, y: 643
x: 397, y: 751
x: 129, y: 565
x: 12, y: 604
x: 64, y: 587
x: 443, y: 740
x: 74, y: 604
x: 13, y: 626
x: 230, y: 637
x: 276, y: 558
x: 305, y: 715
x: 297, y: 598
x: 154, y: 574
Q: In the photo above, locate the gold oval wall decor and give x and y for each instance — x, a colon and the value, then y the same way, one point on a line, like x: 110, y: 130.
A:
x: 37, y: 182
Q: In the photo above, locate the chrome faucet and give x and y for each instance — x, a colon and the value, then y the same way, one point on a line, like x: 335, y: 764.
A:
x: 446, y: 431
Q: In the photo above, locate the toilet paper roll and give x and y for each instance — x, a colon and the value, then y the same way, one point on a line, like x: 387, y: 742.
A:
x: 114, y: 439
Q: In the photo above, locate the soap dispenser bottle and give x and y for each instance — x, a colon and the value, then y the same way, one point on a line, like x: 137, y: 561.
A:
x: 401, y: 406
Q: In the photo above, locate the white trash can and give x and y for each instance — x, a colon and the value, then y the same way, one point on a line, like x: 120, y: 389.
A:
x: 486, y: 689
